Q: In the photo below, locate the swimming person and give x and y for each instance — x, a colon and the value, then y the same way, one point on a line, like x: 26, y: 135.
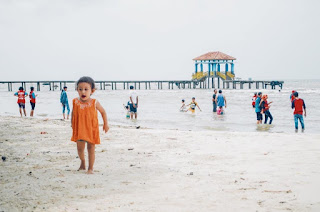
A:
x: 133, y: 103
x: 84, y: 121
x: 299, y: 106
x: 214, y: 100
x: 32, y: 97
x: 193, y: 104
x: 21, y: 94
x: 265, y: 105
x: 221, y: 100
x: 64, y: 102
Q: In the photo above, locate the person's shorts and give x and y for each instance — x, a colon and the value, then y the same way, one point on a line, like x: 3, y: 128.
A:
x: 133, y: 109
x: 22, y: 105
x: 259, y: 116
x: 33, y: 105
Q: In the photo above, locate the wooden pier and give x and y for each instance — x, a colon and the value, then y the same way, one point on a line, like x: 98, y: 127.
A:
x: 214, y: 82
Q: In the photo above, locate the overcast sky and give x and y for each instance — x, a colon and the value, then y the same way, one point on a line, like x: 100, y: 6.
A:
x: 157, y: 40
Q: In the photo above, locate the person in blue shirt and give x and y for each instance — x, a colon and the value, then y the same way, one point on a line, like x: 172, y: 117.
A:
x: 64, y: 102
x: 221, y: 101
x: 258, y: 108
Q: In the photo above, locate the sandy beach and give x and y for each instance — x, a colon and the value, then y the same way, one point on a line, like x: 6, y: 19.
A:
x: 157, y: 170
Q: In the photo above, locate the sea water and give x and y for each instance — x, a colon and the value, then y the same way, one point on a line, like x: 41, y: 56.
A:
x: 159, y: 109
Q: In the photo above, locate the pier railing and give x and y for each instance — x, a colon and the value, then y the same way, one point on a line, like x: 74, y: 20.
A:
x: 201, y: 81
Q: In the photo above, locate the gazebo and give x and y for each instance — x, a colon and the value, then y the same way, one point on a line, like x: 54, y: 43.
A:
x: 214, y: 60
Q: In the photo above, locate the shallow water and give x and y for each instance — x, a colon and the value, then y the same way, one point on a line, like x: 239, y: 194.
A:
x: 160, y: 108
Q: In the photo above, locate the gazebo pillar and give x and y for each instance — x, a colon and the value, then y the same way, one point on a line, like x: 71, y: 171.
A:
x: 209, y: 71
x: 201, y: 66
x: 196, y: 67
x: 227, y: 67
x: 214, y: 68
x: 232, y: 68
x: 218, y: 67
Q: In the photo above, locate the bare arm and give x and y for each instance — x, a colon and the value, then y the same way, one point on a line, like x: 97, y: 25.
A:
x: 199, y: 107
x: 225, y: 101
x: 137, y: 101
x: 104, y: 116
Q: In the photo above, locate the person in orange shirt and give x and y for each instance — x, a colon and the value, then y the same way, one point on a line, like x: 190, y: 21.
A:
x: 21, y: 94
x: 84, y: 121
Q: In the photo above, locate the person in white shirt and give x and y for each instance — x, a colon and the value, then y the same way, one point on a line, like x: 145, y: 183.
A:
x: 133, y: 103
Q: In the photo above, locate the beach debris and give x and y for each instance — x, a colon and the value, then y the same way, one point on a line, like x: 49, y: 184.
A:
x: 137, y: 127
x: 289, y: 191
x: 131, y: 165
x: 130, y: 149
x: 3, y: 158
x: 242, y: 178
x: 191, y: 173
x: 244, y: 189
x: 172, y: 138
x: 30, y: 173
x: 43, y: 132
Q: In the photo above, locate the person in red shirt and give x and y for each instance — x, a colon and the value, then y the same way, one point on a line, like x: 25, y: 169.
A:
x: 265, y: 105
x: 254, y: 99
x: 299, y: 107
x: 21, y: 94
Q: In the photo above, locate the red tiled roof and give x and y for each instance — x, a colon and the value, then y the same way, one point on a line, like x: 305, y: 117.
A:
x: 215, y: 56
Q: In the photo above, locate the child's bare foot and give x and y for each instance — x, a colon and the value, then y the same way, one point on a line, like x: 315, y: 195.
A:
x: 82, y: 166
x: 90, y: 171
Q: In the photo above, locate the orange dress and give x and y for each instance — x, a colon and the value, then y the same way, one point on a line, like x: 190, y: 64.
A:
x: 85, y: 121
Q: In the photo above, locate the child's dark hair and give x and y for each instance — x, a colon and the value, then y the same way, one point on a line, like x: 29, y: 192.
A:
x: 87, y: 80
x: 296, y: 94
x: 32, y: 88
x: 182, y: 100
x: 20, y: 88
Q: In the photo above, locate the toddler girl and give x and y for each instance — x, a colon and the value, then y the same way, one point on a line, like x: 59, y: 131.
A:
x: 84, y: 119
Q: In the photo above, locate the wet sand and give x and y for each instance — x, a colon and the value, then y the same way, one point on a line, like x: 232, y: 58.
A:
x: 157, y: 170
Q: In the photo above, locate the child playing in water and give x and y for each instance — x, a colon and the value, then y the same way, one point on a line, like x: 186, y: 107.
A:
x: 220, y: 110
x: 127, y: 108
x: 265, y: 105
x: 193, y: 105
x: 84, y: 121
x: 21, y: 94
x: 183, y: 107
